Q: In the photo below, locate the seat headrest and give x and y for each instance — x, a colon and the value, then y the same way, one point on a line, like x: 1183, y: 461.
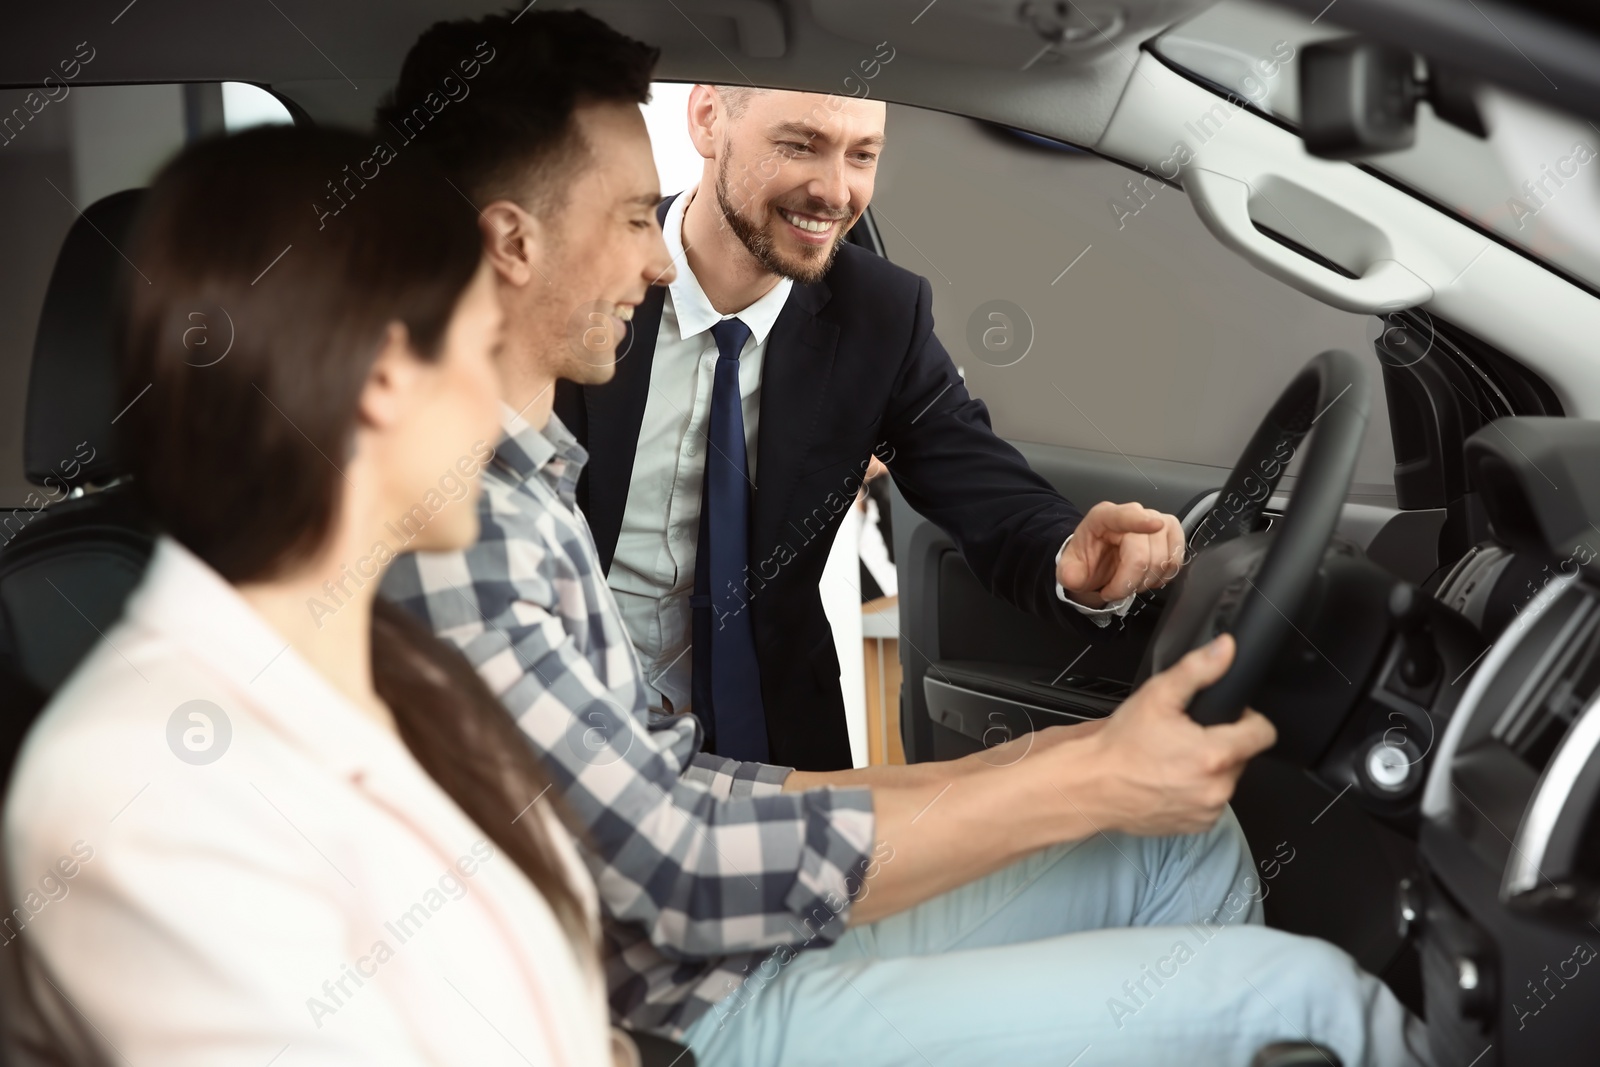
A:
x: 69, y: 438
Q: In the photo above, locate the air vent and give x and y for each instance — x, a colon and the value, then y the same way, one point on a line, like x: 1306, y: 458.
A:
x: 1534, y: 726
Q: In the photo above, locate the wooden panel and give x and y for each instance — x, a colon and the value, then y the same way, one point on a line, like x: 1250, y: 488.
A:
x: 881, y: 658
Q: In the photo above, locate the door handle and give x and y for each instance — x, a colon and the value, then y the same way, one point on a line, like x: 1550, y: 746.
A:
x: 1223, y: 204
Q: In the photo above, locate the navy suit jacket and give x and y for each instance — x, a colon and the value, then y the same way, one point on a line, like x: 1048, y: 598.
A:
x: 851, y: 368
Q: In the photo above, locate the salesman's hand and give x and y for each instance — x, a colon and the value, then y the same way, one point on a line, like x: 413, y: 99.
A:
x: 1120, y: 549
x: 1154, y: 770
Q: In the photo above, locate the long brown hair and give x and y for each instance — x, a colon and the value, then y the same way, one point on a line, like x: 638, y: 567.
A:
x: 276, y: 260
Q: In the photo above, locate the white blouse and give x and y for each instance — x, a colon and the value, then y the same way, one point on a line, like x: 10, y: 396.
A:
x: 218, y: 859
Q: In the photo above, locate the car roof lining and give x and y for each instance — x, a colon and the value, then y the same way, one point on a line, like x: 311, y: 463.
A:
x: 336, y: 61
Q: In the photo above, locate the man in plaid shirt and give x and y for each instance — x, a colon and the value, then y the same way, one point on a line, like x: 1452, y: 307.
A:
x: 697, y: 855
x: 767, y: 915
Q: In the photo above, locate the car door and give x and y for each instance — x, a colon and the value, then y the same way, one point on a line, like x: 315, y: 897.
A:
x: 1129, y: 355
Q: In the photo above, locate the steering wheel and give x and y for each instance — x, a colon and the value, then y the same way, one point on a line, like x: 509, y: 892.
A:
x: 1253, y: 584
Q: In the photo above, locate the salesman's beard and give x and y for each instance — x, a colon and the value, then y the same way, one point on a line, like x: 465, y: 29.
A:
x: 807, y: 269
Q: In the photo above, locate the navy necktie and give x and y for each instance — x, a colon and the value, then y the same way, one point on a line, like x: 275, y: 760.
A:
x: 726, y: 686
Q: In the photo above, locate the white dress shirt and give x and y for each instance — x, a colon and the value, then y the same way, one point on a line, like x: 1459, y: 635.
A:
x: 652, y: 571
x: 232, y: 911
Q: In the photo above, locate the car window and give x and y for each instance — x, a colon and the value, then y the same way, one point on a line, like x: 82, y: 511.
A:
x: 1090, y: 307
x: 667, y: 117
x: 1534, y: 181
x: 62, y: 147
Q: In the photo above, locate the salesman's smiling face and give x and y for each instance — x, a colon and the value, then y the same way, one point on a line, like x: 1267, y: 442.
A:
x: 794, y: 172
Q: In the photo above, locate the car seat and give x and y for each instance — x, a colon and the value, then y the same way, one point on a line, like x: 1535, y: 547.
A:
x: 68, y: 564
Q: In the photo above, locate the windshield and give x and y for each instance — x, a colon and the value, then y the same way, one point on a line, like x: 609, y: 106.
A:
x: 1535, y: 181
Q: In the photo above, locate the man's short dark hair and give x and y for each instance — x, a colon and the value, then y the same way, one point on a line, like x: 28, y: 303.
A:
x: 493, y: 99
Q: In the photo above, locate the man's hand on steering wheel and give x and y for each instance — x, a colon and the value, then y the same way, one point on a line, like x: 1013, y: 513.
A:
x: 1155, y: 770
x: 1118, y: 550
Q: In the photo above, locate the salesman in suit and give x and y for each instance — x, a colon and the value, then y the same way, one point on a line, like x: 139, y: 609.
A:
x: 744, y: 411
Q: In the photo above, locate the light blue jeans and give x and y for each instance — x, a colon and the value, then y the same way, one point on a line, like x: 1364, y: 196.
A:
x: 1116, y: 950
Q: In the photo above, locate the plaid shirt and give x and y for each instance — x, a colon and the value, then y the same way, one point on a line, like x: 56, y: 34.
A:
x: 704, y: 866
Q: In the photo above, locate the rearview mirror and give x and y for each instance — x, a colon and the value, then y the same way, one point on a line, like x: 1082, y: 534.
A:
x: 1360, y: 99
x: 1357, y: 99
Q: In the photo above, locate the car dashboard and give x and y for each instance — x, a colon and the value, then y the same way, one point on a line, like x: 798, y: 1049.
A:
x: 1505, y: 904
x: 1487, y: 761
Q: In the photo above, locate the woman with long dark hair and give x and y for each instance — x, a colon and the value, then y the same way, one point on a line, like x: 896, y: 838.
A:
x: 270, y: 815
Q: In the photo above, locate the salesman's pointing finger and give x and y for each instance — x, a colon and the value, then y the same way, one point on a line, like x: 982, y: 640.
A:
x: 1119, y: 550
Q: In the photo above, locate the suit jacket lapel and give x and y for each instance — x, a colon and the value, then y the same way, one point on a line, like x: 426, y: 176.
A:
x: 795, y: 373
x: 615, y: 413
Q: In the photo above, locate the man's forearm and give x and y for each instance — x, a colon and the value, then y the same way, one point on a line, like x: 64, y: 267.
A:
x: 940, y: 825
x: 901, y: 776
x: 944, y: 835
x: 1148, y: 769
x: 939, y: 772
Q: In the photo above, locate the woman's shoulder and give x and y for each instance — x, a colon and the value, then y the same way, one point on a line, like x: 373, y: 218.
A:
x: 138, y: 731
x: 102, y: 709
